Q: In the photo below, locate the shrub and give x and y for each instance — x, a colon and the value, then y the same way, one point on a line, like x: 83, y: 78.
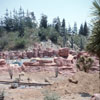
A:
x: 43, y: 34
x: 3, y: 42
x: 84, y: 63
x: 51, y: 96
x: 20, y: 44
x: 54, y: 37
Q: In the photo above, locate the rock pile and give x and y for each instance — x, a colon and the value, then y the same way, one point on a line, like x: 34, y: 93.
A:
x: 45, y: 59
x: 37, y: 51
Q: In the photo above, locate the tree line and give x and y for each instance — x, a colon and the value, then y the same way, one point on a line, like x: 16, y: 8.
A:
x: 20, y: 21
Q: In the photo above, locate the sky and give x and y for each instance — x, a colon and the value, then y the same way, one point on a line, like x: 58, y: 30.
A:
x: 72, y: 10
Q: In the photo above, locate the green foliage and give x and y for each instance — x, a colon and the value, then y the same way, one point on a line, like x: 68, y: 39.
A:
x: 43, y: 22
x: 75, y: 28
x: 84, y: 63
x: 84, y: 30
x: 57, y: 25
x: 3, y: 42
x: 19, y: 29
x: 43, y: 34
x: 78, y: 40
x: 72, y: 42
x: 93, y: 45
x: 51, y: 96
x: 54, y: 37
x: 81, y: 44
x: 1, y: 31
x: 63, y: 32
x: 81, y: 31
x: 20, y: 44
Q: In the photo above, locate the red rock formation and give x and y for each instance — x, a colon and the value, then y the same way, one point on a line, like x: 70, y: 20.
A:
x: 2, y: 62
x: 63, y: 52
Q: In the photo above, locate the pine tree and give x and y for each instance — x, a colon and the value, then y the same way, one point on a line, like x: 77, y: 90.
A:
x: 64, y: 32
x: 75, y: 28
x: 81, y: 44
x: 57, y: 25
x: 69, y: 30
x: 28, y: 20
x: 15, y: 20
x: 33, y: 19
x: 81, y: 30
x: 72, y: 42
x: 43, y: 22
x: 6, y: 21
x: 33, y: 16
x: 86, y: 29
x: 21, y: 23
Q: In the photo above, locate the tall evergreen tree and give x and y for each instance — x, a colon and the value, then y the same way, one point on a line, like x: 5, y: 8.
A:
x: 43, y: 22
x: 69, y: 30
x: 72, y: 42
x: 6, y: 21
x: 57, y: 25
x: 33, y: 19
x: 64, y: 32
x: 86, y: 29
x: 15, y: 20
x: 81, y: 30
x: 21, y: 23
x: 75, y: 28
x: 81, y: 44
x: 33, y: 16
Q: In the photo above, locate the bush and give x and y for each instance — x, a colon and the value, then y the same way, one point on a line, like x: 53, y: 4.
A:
x: 84, y: 63
x: 51, y: 96
x: 54, y: 37
x: 20, y: 44
x: 43, y: 34
x: 3, y: 42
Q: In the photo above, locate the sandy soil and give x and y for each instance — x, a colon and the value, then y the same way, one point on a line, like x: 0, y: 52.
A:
x: 87, y: 85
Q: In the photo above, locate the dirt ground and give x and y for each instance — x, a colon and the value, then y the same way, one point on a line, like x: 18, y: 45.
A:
x: 87, y: 84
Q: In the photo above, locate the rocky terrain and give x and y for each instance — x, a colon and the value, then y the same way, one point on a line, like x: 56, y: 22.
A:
x: 41, y: 69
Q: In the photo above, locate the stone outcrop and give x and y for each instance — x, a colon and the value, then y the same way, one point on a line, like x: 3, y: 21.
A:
x: 37, y: 51
x: 63, y: 52
x: 2, y: 62
x: 45, y: 59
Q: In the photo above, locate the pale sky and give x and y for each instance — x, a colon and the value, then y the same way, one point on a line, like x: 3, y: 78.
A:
x: 72, y: 10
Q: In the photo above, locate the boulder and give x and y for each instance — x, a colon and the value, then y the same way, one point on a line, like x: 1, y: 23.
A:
x: 2, y: 62
x: 62, y: 61
x: 29, y: 54
x: 72, y: 52
x: 63, y: 52
x: 95, y: 97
